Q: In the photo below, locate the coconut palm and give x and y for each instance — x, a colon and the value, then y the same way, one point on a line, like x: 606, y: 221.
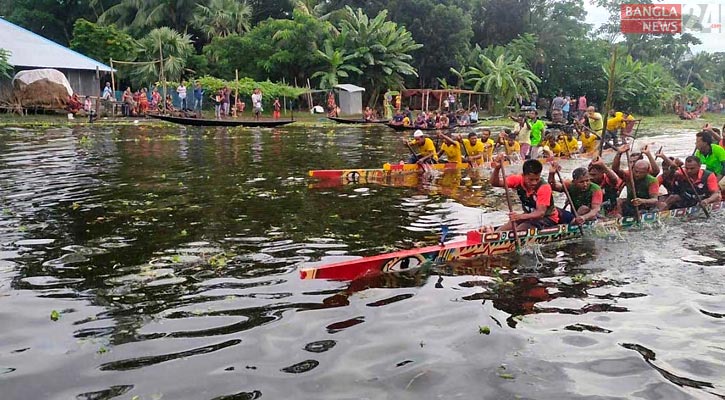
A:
x: 337, y: 63
x: 504, y: 78
x: 223, y: 17
x: 141, y: 15
x: 176, y: 49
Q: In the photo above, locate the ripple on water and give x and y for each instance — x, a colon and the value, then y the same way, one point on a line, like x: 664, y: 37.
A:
x: 34, y: 242
x: 66, y: 261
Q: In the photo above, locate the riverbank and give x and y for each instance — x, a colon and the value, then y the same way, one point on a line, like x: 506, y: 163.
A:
x: 305, y: 119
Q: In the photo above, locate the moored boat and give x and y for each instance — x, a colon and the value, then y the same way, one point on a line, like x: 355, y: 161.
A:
x: 414, y: 128
x: 480, y: 244
x: 357, y: 120
x: 221, y: 122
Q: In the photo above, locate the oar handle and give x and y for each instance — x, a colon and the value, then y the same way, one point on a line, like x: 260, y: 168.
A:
x: 694, y: 190
x: 632, y: 187
x: 510, y: 206
x: 568, y: 198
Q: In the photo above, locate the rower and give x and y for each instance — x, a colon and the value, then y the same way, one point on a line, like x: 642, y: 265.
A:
x: 586, y: 196
x: 488, y: 144
x: 644, y: 195
x: 513, y: 147
x: 670, y: 180
x: 474, y: 149
x: 610, y: 183
x: 589, y: 141
x: 568, y: 144
x: 424, y: 148
x: 704, y: 182
x: 537, y: 200
x: 450, y: 148
x: 636, y: 156
x: 710, y: 154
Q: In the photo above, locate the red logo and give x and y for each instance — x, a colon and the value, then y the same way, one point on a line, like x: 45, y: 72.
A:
x: 651, y: 18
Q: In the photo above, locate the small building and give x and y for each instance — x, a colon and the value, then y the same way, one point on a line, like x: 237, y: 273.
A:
x: 30, y: 51
x: 350, y: 99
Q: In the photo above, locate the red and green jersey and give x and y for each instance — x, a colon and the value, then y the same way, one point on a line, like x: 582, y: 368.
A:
x: 591, y: 196
x: 645, y: 188
x: 540, y: 195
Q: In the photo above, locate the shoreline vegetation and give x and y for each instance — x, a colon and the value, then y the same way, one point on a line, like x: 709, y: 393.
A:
x: 305, y: 119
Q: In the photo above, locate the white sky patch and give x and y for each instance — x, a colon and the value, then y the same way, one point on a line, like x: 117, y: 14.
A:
x: 711, y: 42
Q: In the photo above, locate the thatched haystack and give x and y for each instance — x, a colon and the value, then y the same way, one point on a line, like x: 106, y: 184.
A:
x: 43, y: 88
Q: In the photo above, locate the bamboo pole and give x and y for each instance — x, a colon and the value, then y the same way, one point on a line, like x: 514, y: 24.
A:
x: 113, y: 80
x: 609, y: 100
x: 161, y: 75
x: 236, y: 92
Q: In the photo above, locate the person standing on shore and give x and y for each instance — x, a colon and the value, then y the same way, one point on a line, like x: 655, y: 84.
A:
x: 198, y: 96
x: 181, y: 91
x: 257, y: 102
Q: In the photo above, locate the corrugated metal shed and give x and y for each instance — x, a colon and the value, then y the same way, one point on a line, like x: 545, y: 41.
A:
x: 28, y: 49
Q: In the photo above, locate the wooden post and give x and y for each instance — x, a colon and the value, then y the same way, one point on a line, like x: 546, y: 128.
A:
x: 161, y: 75
x: 284, y: 99
x: 113, y: 80
x: 236, y: 92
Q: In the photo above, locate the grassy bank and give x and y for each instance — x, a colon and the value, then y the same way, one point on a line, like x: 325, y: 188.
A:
x: 664, y: 121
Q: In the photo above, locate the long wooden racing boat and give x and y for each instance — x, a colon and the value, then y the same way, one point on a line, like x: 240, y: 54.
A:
x: 353, y: 175
x: 479, y: 244
x: 357, y: 120
x: 414, y: 128
x: 221, y: 122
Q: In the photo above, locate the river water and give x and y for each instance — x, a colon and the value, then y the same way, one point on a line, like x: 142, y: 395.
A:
x: 162, y: 263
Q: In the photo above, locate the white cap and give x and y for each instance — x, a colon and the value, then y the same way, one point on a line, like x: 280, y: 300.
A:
x: 418, y: 133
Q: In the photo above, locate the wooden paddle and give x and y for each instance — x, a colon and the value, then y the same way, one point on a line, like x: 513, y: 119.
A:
x: 694, y: 189
x: 510, y: 206
x: 568, y: 198
x: 632, y: 187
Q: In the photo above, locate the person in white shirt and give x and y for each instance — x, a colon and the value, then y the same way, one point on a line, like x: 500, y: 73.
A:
x: 181, y: 91
x: 257, y: 102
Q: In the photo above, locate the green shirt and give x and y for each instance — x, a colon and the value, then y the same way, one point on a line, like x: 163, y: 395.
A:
x: 537, y: 128
x: 713, y: 161
x: 596, y: 124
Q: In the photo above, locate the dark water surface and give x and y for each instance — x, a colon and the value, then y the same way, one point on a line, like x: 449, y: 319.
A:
x: 171, y: 257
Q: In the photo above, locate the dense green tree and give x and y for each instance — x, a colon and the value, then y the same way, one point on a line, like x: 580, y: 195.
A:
x: 102, y: 42
x: 52, y: 19
x: 382, y: 50
x: 445, y: 29
x: 176, y: 49
x: 222, y: 17
x: 276, y: 9
x: 276, y: 49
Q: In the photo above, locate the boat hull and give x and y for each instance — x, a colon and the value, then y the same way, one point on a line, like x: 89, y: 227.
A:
x: 478, y: 244
x: 358, y: 121
x: 221, y: 122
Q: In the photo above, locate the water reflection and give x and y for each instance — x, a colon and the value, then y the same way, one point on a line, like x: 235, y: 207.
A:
x: 173, y: 253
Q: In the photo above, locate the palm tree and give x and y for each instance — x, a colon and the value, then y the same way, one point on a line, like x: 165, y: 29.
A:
x: 176, y: 49
x: 223, y: 17
x: 141, y: 15
x: 5, y: 68
x: 381, y: 48
x: 503, y: 77
x: 337, y: 62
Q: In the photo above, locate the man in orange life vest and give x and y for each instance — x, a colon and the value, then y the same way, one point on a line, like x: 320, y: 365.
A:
x: 535, y: 194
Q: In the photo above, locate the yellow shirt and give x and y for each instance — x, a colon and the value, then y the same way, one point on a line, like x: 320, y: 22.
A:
x: 453, y: 152
x: 406, y: 121
x: 489, y: 145
x: 514, y: 148
x: 589, y: 143
x: 615, y: 122
x: 426, y: 149
x: 474, y: 150
x: 568, y: 147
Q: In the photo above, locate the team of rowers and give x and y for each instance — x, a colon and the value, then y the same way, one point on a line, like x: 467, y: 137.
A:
x: 594, y: 191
